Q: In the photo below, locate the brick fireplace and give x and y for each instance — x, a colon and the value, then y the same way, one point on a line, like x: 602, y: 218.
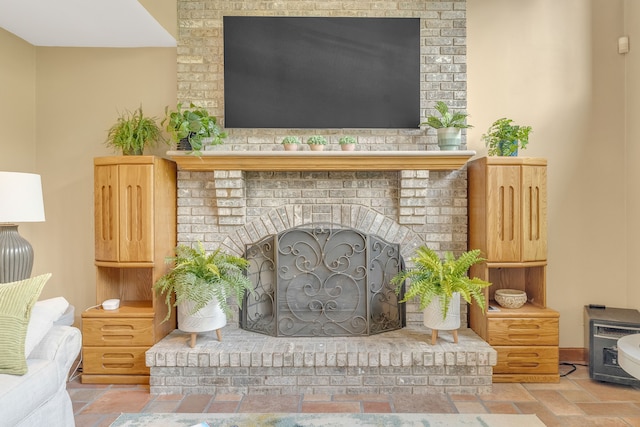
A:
x: 409, y: 207
x: 380, y: 189
x: 238, y: 204
x: 414, y: 206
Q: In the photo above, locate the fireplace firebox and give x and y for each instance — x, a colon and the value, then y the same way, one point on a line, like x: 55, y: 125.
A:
x: 322, y: 280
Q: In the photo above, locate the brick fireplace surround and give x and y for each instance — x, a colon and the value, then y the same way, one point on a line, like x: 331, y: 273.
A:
x: 234, y: 207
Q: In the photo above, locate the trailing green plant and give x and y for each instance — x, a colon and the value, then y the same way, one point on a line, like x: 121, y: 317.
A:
x: 446, y: 119
x: 347, y: 139
x: 431, y: 276
x: 291, y: 140
x: 193, y: 124
x: 317, y: 140
x: 132, y: 132
x: 503, y: 138
x: 200, y: 277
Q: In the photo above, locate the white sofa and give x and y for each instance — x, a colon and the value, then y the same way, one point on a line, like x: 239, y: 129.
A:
x: 40, y: 398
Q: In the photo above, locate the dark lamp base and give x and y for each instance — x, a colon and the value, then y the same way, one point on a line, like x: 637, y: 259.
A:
x: 16, y: 255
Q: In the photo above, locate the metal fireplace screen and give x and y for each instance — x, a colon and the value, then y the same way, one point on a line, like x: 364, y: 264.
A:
x: 322, y: 281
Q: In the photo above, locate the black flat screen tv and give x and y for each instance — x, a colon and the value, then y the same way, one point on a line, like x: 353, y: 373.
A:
x: 302, y: 72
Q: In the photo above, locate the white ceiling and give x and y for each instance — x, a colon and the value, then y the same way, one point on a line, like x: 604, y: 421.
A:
x: 83, y: 23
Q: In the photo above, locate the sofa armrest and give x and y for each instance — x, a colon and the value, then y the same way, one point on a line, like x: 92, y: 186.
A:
x: 61, y: 344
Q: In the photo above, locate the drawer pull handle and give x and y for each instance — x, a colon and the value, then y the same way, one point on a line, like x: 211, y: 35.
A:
x: 117, y: 365
x: 118, y: 356
x: 523, y: 355
x: 521, y: 326
x: 107, y: 328
x: 117, y: 337
x: 528, y: 337
x: 523, y: 364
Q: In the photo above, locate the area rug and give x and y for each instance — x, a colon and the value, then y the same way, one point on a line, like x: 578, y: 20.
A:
x: 326, y: 420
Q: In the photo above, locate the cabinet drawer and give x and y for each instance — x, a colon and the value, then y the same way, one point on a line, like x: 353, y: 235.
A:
x: 523, y: 331
x: 526, y: 360
x: 117, y: 332
x: 114, y: 360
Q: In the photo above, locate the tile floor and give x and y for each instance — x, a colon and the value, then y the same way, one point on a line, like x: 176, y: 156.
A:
x: 574, y: 401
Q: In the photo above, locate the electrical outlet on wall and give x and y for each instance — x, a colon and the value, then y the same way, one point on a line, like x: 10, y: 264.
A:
x: 623, y: 44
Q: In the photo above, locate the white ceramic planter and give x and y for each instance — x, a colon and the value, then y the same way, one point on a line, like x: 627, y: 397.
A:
x: 209, y: 318
x: 449, y: 138
x: 433, y: 315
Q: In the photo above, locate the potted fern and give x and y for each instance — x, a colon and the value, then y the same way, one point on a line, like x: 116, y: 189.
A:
x: 201, y: 283
x: 132, y: 132
x: 448, y: 126
x: 438, y: 284
x: 504, y: 138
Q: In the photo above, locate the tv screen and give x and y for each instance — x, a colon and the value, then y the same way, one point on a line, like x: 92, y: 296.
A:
x: 301, y: 72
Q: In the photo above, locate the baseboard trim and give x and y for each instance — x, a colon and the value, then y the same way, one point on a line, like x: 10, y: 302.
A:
x: 573, y: 355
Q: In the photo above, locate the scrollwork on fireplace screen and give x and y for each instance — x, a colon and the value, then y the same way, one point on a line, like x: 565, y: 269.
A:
x: 322, y: 280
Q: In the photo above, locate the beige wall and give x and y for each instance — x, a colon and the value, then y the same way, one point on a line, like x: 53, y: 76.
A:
x: 76, y: 94
x: 80, y: 93
x: 632, y: 150
x: 17, y: 104
x: 549, y: 64
x: 554, y: 65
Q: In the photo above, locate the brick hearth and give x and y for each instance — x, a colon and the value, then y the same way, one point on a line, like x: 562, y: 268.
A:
x: 401, y: 361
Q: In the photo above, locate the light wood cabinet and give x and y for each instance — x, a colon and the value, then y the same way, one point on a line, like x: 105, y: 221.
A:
x: 135, y: 230
x: 508, y: 223
x: 124, y: 212
x: 508, y: 208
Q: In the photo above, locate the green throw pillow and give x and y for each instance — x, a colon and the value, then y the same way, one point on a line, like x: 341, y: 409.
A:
x: 16, y: 301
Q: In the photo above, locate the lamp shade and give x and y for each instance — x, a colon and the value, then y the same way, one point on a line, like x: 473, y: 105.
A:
x: 20, y: 198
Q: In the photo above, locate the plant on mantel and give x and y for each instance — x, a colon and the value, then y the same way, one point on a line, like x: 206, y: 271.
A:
x: 291, y: 143
x: 448, y: 126
x: 347, y: 143
x: 317, y: 142
x: 190, y: 127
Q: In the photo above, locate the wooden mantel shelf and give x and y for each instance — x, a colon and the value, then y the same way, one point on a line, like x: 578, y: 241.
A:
x: 321, y: 160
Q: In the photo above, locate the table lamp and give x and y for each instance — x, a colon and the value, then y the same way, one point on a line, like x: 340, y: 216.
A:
x: 20, y: 201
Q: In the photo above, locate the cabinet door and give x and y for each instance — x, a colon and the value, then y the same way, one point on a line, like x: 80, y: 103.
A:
x: 503, y: 213
x: 105, y: 193
x: 136, y: 213
x: 534, y: 213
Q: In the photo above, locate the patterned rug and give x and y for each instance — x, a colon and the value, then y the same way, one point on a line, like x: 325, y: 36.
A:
x: 326, y: 420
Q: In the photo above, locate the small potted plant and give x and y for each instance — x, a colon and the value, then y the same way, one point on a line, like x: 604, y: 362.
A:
x: 317, y: 142
x: 448, y: 126
x: 132, y: 132
x: 190, y: 127
x: 347, y: 143
x: 291, y: 143
x: 504, y: 138
x: 438, y: 284
x: 201, y: 283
